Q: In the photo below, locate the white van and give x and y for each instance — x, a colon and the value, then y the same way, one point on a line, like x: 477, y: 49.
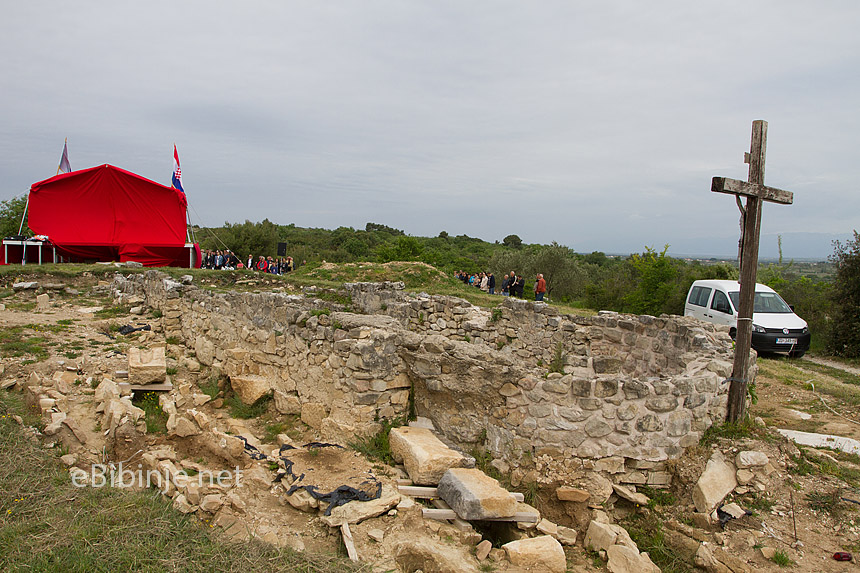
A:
x: 775, y: 326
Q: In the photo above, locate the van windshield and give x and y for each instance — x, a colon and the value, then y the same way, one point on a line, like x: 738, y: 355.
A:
x: 766, y: 302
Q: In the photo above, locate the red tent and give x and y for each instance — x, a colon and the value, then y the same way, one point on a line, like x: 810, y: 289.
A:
x: 106, y: 213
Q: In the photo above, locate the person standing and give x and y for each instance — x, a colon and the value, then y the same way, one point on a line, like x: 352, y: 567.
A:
x: 519, y: 286
x: 540, y: 287
x: 491, y: 283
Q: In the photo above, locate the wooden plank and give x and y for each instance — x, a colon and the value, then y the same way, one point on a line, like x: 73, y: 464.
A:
x: 154, y: 387
x: 431, y: 492
x: 348, y: 542
x: 446, y: 514
x: 736, y: 187
x: 460, y: 524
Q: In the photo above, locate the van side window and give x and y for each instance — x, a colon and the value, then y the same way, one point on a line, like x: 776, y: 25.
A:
x: 699, y: 296
x: 721, y: 303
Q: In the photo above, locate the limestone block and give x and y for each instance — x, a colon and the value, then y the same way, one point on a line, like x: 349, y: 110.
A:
x: 146, y: 366
x: 356, y: 511
x: 567, y: 493
x: 250, y: 388
x: 751, y: 459
x: 630, y: 495
x: 303, y: 501
x: 425, y: 456
x: 715, y: 483
x: 542, y: 553
x: 475, y: 495
x: 624, y: 559
x: 211, y: 503
x: 185, y: 427
x: 287, y: 403
x: 313, y: 414
x: 599, y: 536
x: 566, y: 535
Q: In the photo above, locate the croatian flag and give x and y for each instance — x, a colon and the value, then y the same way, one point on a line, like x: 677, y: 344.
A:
x: 177, y: 172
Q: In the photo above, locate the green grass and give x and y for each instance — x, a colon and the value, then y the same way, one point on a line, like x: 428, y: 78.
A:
x: 658, y: 497
x: 782, y: 559
x: 210, y: 387
x: 808, y: 463
x: 841, y: 375
x: 733, y: 431
x: 47, y: 524
x: 376, y: 447
x: 112, y: 311
x: 647, y: 531
x: 156, y: 418
x: 15, y: 341
x: 239, y: 409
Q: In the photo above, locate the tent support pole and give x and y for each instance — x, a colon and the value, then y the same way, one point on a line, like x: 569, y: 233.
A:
x: 26, y: 206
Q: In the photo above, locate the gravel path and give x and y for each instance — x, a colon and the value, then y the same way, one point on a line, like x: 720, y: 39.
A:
x: 833, y: 364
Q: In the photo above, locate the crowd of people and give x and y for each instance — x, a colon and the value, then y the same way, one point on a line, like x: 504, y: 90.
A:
x: 228, y: 261
x: 512, y: 283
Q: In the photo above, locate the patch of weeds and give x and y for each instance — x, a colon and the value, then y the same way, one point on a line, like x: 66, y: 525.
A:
x: 156, y: 313
x: 273, y: 466
x: 156, y: 418
x: 239, y: 409
x: 782, y: 559
x: 321, y: 311
x: 758, y: 503
x: 497, y: 315
x: 172, y: 370
x: 66, y: 321
x: 596, y: 561
x: 658, y: 497
x: 272, y: 430
x: 210, y: 387
x: 647, y: 532
x: 420, y: 318
x: 467, y: 338
x: 22, y: 306
x: 336, y: 325
x: 14, y: 342
x: 71, y: 355
x: 376, y: 447
x: 112, y: 311
x: 830, y: 503
x: 558, y: 357
x: 810, y: 464
x: 486, y: 567
x: 731, y: 431
x: 173, y: 340
x: 500, y: 344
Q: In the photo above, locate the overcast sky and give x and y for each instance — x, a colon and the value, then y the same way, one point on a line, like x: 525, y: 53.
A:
x: 598, y: 125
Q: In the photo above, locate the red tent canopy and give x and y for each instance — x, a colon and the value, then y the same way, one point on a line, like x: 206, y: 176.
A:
x: 106, y: 213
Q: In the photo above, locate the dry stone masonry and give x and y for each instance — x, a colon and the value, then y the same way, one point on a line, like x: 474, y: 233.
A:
x: 627, y: 392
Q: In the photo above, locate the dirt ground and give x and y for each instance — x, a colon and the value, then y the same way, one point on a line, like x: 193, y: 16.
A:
x: 803, y: 508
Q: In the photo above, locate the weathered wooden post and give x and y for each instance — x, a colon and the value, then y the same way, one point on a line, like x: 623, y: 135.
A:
x: 755, y: 192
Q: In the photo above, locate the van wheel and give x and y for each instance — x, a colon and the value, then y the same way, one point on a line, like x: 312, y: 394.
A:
x: 797, y: 353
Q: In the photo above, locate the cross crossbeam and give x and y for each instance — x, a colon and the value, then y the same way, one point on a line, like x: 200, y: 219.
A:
x: 736, y: 187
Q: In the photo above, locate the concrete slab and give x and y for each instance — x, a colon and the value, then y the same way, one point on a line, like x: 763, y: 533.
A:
x: 424, y: 455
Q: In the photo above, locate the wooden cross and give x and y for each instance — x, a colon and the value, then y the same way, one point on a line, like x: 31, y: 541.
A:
x: 755, y: 192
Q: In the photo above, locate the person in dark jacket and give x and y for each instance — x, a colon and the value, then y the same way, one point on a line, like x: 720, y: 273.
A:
x: 491, y: 283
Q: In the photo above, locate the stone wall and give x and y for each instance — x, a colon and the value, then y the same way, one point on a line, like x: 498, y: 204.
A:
x: 633, y: 391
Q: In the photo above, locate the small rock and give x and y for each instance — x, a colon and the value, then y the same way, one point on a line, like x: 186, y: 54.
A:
x: 69, y: 459
x: 483, y: 550
x: 567, y: 493
x: 768, y: 552
x: 376, y: 534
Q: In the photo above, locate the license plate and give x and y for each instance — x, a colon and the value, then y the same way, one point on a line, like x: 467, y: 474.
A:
x: 786, y: 341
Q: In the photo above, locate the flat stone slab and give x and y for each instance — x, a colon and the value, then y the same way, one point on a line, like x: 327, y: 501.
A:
x: 848, y: 445
x: 542, y: 553
x: 474, y: 495
x: 250, y: 388
x: 425, y: 456
x: 146, y: 366
x: 715, y: 483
